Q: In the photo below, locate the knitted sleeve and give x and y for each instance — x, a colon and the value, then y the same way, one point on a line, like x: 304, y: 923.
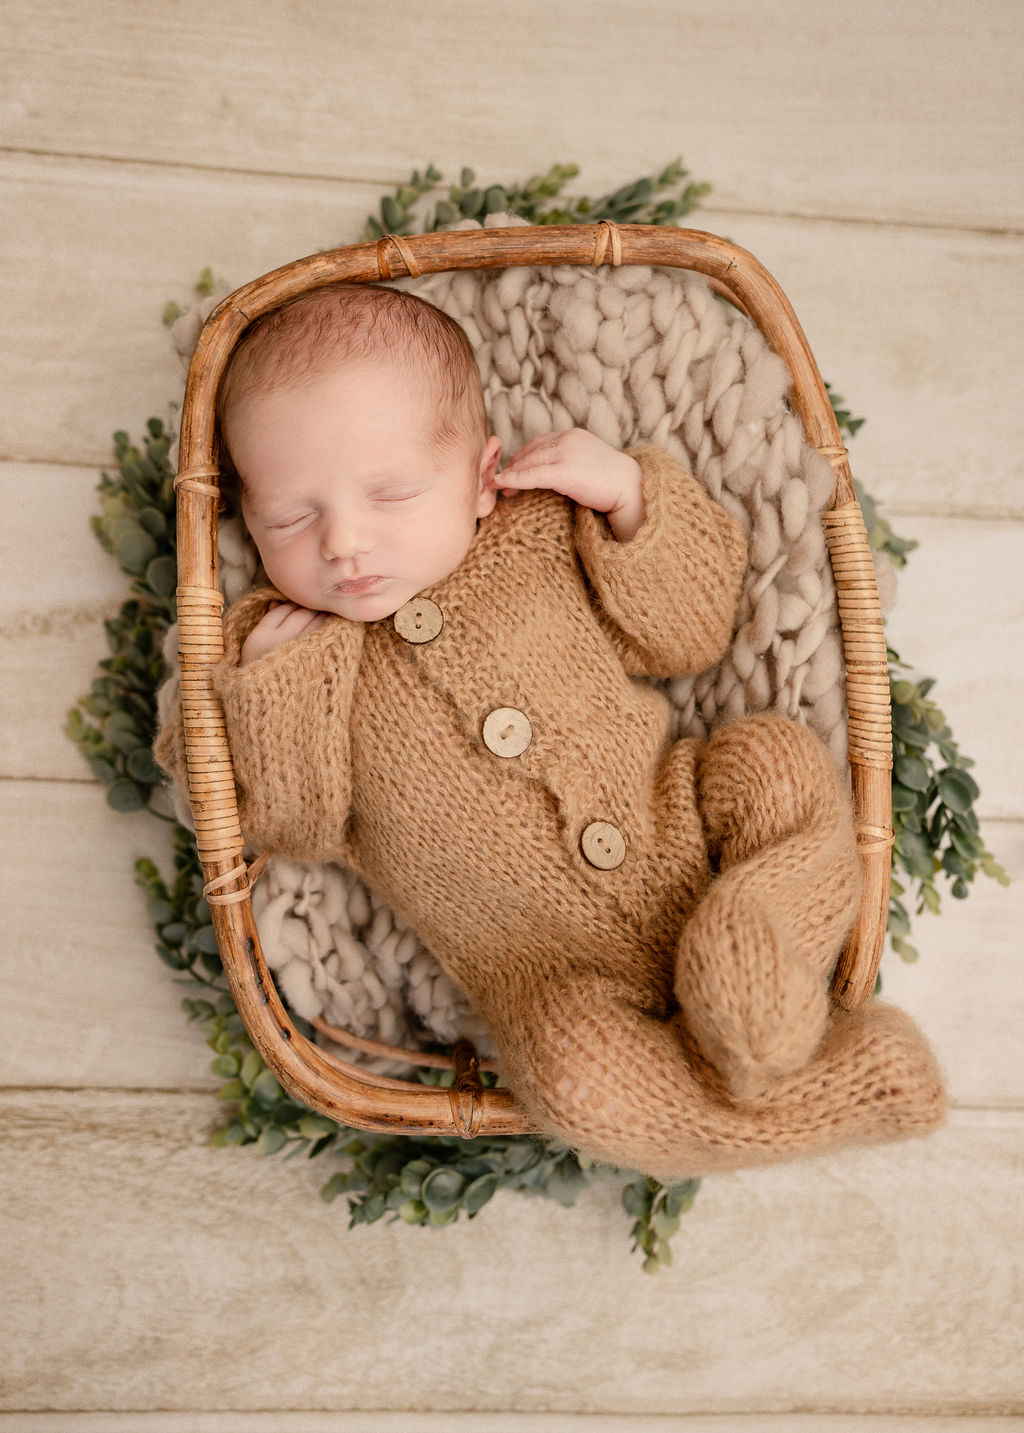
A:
x: 670, y: 594
x: 287, y: 716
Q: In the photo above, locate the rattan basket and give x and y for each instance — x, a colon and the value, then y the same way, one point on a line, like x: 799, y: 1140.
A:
x: 344, y: 1091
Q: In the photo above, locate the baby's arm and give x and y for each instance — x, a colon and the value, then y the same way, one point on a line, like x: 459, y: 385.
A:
x: 672, y: 592
x: 287, y: 714
x: 582, y: 467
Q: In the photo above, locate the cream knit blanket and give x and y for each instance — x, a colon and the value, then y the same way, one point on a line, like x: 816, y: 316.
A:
x: 632, y: 354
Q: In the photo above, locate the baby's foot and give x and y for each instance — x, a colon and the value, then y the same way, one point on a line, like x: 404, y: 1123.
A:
x: 874, y: 1078
x: 754, y: 1006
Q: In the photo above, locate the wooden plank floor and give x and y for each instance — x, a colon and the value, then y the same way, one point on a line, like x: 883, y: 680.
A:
x: 866, y: 155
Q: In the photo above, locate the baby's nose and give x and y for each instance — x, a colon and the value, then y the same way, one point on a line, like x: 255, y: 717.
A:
x: 345, y: 536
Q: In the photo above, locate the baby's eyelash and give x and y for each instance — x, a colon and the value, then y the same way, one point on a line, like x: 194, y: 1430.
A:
x: 291, y: 522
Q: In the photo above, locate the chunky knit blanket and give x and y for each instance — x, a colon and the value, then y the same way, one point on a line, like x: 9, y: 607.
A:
x: 633, y: 354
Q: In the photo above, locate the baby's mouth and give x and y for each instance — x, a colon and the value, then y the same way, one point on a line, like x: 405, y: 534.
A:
x: 356, y: 586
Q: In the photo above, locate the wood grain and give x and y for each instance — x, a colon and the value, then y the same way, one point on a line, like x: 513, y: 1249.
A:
x: 163, y: 1254
x: 906, y: 113
x: 492, y: 1421
x: 959, y: 617
x: 94, y: 239
x: 87, y: 1002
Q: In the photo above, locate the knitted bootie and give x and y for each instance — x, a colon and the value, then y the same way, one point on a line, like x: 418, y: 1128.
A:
x: 751, y: 1002
x: 754, y: 956
x: 760, y: 778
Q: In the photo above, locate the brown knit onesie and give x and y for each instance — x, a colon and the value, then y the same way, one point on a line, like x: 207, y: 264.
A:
x: 645, y: 925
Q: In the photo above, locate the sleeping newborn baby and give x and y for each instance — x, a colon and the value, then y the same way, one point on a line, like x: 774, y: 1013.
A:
x: 445, y: 688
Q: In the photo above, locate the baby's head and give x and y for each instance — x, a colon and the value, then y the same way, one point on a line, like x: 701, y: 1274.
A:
x: 354, y: 418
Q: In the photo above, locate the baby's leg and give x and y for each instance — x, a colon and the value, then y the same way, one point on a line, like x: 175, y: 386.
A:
x: 754, y: 956
x: 620, y: 1086
x: 771, y: 799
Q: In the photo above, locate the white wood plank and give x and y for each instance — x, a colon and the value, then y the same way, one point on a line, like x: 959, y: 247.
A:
x: 498, y: 1422
x: 962, y: 989
x: 917, y: 330
x: 89, y: 264
x: 921, y: 332
x: 959, y: 617
x: 88, y: 1002
x: 901, y: 112
x: 144, y: 1270
x: 59, y: 587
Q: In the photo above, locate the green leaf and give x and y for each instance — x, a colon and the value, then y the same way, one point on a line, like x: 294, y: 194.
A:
x: 337, y: 1184
x: 226, y: 1067
x: 479, y: 1192
x: 159, y: 911
x: 134, y: 547
x: 637, y: 1199
x: 520, y: 1156
x: 911, y: 772
x: 125, y: 795
x: 103, y: 770
x: 252, y: 1068
x: 665, y: 1224
x: 162, y: 575
x: 413, y: 1176
x: 391, y: 214
x: 271, y: 1140
x: 904, y: 949
x: 679, y: 1197
x: 313, y: 1126
x: 442, y: 1190
x: 154, y: 521
x: 266, y: 1089
x: 903, y: 799
x: 957, y: 789
x: 205, y: 940
x: 142, y: 767
x: 171, y: 957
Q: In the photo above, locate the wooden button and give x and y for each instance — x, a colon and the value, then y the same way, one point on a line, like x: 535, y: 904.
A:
x: 507, y: 732
x: 419, y: 620
x: 603, y: 845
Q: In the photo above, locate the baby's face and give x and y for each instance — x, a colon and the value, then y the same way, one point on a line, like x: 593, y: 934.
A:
x: 353, y: 508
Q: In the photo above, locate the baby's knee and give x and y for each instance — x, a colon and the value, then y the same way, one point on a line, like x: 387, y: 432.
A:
x: 762, y: 778
x: 572, y: 1057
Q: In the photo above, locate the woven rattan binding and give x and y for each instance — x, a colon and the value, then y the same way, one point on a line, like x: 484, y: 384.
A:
x: 342, y: 1090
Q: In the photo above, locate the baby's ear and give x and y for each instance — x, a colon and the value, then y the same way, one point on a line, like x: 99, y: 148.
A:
x: 488, y: 473
x: 489, y: 459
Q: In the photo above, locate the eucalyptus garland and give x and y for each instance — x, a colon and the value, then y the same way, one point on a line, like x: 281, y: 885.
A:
x: 432, y: 1181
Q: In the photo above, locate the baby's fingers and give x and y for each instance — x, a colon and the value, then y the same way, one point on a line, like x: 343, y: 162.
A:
x: 292, y: 621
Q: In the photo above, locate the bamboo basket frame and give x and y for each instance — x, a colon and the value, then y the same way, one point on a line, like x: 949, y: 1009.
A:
x: 340, y: 1089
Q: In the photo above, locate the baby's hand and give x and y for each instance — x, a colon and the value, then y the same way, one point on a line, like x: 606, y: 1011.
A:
x: 280, y: 623
x: 584, y: 468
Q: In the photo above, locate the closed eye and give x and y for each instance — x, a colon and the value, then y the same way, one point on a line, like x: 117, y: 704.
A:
x: 288, y: 524
x: 400, y: 497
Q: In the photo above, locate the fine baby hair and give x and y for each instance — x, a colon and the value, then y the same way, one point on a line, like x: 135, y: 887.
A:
x: 645, y: 1012
x: 360, y: 322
